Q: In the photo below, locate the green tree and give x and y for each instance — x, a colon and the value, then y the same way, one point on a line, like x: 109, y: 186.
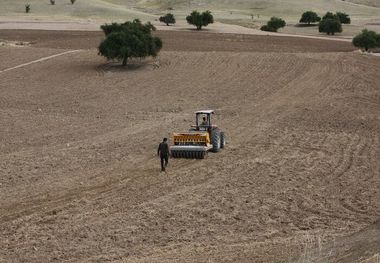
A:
x: 27, y: 8
x: 273, y: 24
x: 378, y: 40
x: 343, y: 18
x: 52, y: 2
x: 366, y: 39
x: 167, y: 19
x: 276, y: 23
x: 330, y: 26
x: 128, y: 40
x: 310, y: 17
x: 114, y: 27
x: 329, y: 15
x: 200, y: 19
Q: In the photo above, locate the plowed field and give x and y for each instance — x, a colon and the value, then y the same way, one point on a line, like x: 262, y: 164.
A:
x: 80, y: 180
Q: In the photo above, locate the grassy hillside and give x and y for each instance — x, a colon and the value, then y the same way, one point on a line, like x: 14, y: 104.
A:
x: 290, y: 9
x: 375, y: 3
x: 223, y: 9
x: 81, y: 9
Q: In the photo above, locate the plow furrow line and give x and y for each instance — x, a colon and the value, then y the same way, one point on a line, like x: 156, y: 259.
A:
x: 39, y: 60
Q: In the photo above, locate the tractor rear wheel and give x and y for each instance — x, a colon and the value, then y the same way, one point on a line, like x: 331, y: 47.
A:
x: 215, y: 139
x: 222, y: 140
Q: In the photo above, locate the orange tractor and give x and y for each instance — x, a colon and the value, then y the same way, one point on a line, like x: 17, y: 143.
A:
x: 201, y: 138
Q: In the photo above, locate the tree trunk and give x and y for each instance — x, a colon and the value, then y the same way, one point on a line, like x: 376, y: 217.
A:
x: 125, y: 59
x: 199, y: 27
x: 167, y: 24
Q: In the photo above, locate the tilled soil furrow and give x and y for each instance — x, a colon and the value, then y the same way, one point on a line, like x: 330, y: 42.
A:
x: 80, y: 180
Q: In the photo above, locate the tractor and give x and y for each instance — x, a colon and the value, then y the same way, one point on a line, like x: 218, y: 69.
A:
x: 201, y: 138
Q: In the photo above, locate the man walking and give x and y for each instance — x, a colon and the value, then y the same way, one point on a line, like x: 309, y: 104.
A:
x: 163, y: 152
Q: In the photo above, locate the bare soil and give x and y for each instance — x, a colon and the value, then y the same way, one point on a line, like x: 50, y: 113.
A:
x: 80, y: 180
x: 182, y: 41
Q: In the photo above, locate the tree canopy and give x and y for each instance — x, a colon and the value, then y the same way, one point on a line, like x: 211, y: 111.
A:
x: 276, y: 23
x: 329, y: 15
x: 366, y: 39
x: 330, y: 26
x: 200, y: 19
x: 167, y: 19
x: 343, y: 18
x: 129, y: 39
x: 310, y: 17
x: 273, y: 24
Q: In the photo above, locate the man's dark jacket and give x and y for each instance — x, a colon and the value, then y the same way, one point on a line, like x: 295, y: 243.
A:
x: 163, y: 149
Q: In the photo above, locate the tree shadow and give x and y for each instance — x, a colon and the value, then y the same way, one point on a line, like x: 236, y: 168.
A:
x: 305, y: 25
x: 132, y: 65
x: 196, y: 30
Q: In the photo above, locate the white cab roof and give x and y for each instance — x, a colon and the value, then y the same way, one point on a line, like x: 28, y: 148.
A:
x: 204, y: 112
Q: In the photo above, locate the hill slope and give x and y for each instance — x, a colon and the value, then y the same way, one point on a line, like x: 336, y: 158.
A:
x: 96, y: 9
x: 375, y: 3
x: 223, y: 9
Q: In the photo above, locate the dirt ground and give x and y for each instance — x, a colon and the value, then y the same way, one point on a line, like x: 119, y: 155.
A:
x: 79, y: 177
x: 181, y: 41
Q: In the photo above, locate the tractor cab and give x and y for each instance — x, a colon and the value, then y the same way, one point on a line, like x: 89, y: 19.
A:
x: 203, y: 120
